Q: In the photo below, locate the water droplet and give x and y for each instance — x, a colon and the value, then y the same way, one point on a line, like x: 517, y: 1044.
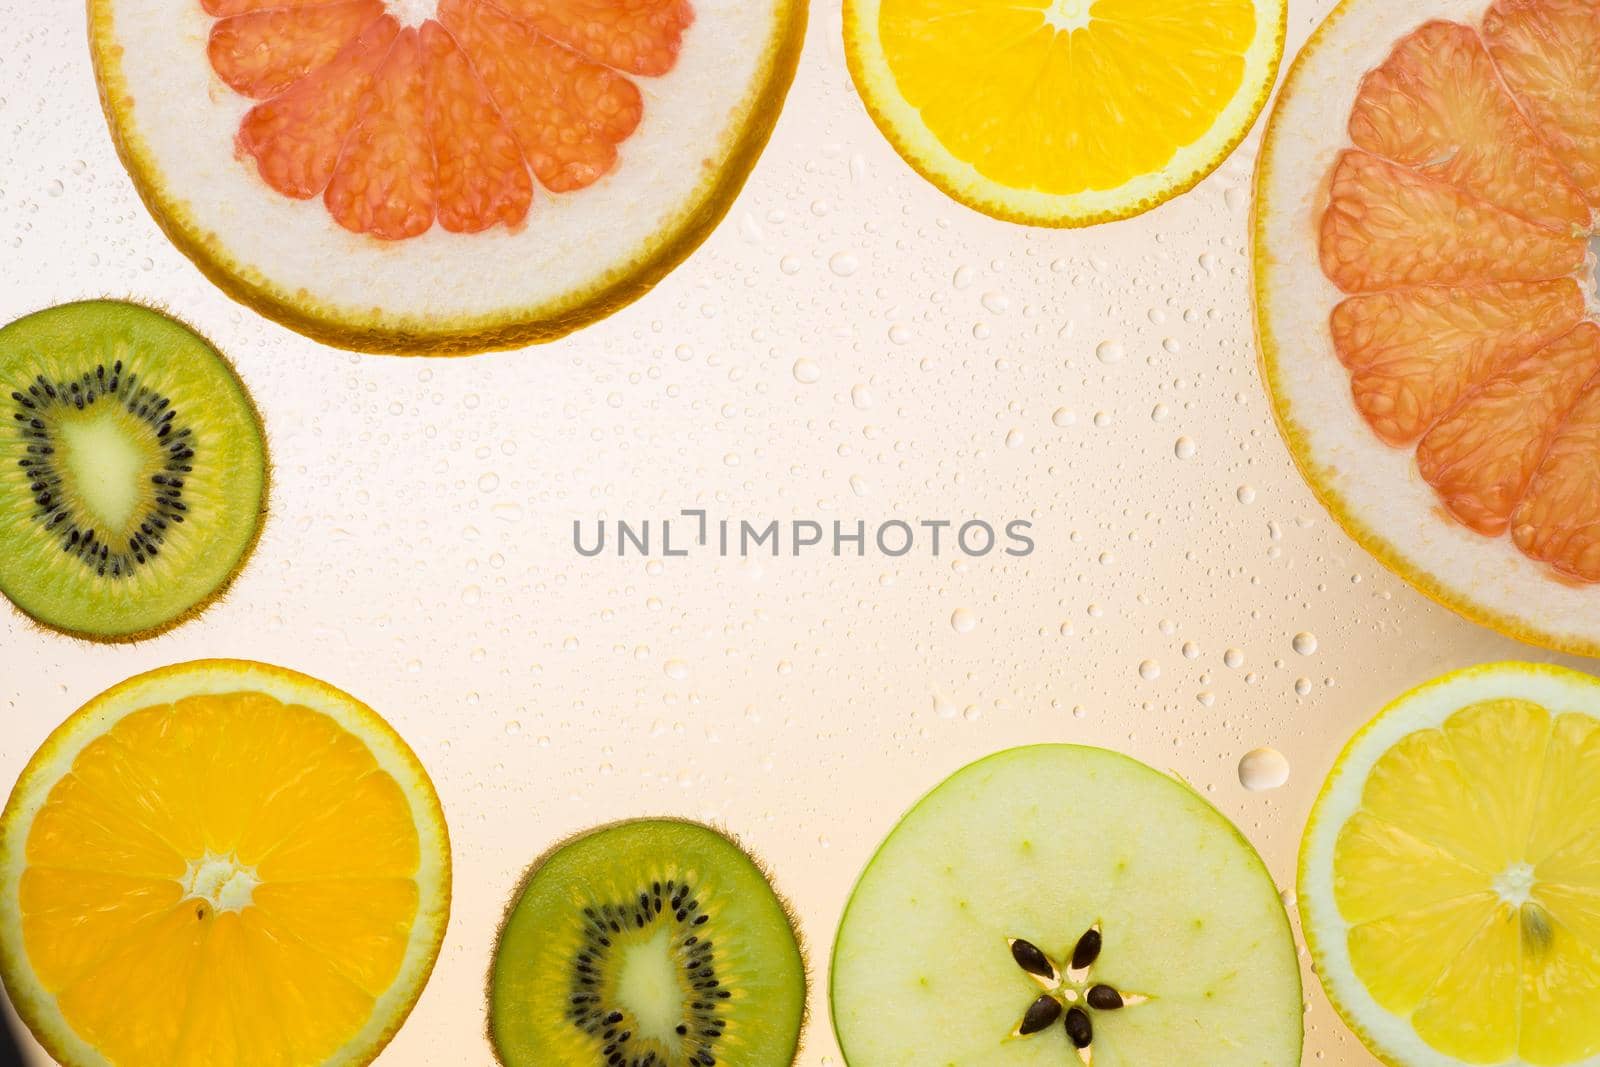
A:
x: 1245, y: 494
x: 1233, y: 658
x: 843, y: 264
x: 1109, y: 352
x: 1185, y: 448
x: 1063, y: 417
x: 862, y: 397
x: 806, y: 370
x: 963, y: 621
x: 1305, y: 643
x: 676, y: 669
x: 1149, y: 670
x: 1263, y: 768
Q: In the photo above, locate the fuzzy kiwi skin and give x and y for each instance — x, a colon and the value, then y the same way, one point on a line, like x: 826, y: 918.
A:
x: 532, y: 870
x: 194, y: 611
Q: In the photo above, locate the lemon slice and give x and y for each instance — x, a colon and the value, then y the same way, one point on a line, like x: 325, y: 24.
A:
x: 1450, y: 874
x: 220, y: 863
x: 1064, y: 112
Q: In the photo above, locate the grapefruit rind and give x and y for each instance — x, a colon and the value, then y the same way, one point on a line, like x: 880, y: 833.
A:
x: 1371, y: 489
x: 1388, y: 1037
x: 37, y: 1007
x: 901, y: 124
x: 174, y: 123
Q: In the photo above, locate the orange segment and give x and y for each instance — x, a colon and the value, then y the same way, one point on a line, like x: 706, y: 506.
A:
x: 321, y: 1006
x: 384, y: 183
x: 262, y: 53
x: 1481, y: 458
x: 364, y: 925
x: 1438, y: 106
x: 1413, y: 353
x: 568, y: 113
x: 70, y: 919
x: 638, y: 36
x: 1387, y: 226
x: 149, y: 978
x: 1546, y: 51
x: 482, y: 177
x: 1559, y: 521
x: 296, y: 137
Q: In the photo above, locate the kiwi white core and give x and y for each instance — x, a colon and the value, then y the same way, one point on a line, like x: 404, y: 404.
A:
x: 648, y: 986
x: 105, y: 460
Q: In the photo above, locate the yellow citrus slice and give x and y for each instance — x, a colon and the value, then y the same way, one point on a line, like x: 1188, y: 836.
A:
x: 1064, y: 112
x: 1450, y: 874
x: 221, y: 863
x: 450, y: 176
x: 1426, y: 301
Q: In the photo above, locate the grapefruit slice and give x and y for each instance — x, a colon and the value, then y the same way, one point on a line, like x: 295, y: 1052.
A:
x: 1426, y: 301
x: 1064, y: 112
x: 1055, y: 904
x: 220, y: 864
x: 1450, y: 874
x: 412, y: 176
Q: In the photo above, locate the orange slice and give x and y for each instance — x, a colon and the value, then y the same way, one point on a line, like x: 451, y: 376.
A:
x: 217, y: 864
x: 1425, y: 204
x: 405, y: 175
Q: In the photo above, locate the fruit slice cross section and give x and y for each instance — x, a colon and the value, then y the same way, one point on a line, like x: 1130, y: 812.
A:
x: 1456, y: 181
x: 654, y: 942
x: 1055, y: 905
x: 1426, y: 208
x: 133, y: 470
x: 1450, y: 876
x: 1064, y: 112
x: 440, y: 175
x: 220, y: 863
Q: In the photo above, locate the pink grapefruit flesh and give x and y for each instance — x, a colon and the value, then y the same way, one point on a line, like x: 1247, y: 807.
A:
x: 399, y: 128
x: 1458, y: 227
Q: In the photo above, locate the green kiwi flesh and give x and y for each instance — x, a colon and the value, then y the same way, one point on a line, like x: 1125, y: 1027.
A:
x: 654, y: 943
x: 133, y: 470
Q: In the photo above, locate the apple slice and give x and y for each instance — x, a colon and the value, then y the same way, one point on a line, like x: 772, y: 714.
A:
x: 1055, y: 904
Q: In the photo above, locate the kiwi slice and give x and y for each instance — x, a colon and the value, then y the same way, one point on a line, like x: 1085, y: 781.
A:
x: 133, y: 470
x: 654, y: 943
